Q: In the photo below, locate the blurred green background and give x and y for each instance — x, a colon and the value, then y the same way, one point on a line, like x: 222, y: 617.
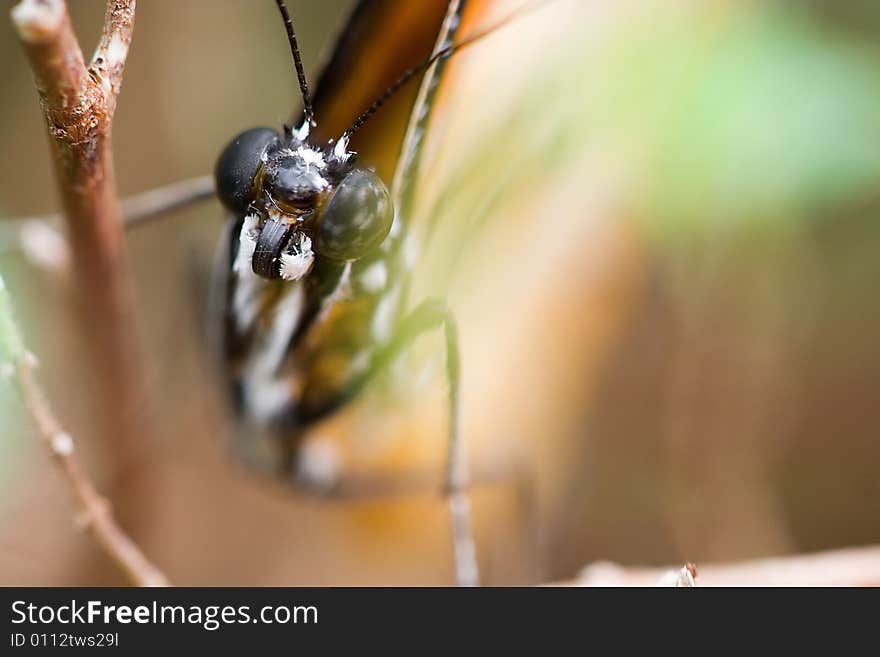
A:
x: 713, y: 329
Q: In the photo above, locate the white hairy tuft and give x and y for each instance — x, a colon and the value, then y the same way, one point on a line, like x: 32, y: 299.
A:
x: 302, y: 132
x: 311, y: 156
x: 341, y: 149
x: 297, y: 264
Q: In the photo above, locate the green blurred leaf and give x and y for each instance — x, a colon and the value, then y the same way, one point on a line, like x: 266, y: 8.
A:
x: 745, y: 120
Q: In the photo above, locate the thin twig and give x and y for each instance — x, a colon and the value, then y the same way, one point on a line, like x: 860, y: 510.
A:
x: 43, y: 244
x: 847, y: 567
x: 19, y: 363
x: 78, y: 103
x: 138, y: 210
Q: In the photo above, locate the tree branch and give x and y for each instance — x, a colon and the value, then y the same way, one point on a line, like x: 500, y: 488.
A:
x: 78, y: 104
x: 847, y: 567
x: 139, y: 209
x: 19, y: 363
x: 38, y: 240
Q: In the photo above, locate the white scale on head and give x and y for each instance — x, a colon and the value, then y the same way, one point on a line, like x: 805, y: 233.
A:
x: 297, y: 264
x: 308, y: 156
x: 340, y: 151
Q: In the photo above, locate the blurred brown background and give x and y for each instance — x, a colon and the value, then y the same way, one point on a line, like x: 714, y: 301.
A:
x: 658, y: 226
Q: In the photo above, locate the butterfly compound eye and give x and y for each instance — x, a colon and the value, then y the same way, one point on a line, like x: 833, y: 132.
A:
x: 238, y: 165
x: 357, y: 218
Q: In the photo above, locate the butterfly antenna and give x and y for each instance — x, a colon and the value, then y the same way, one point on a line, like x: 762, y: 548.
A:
x: 297, y: 61
x: 443, y: 53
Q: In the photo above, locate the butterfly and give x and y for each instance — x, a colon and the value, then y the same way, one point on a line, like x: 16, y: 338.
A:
x: 314, y: 297
x: 317, y: 302
x: 312, y: 286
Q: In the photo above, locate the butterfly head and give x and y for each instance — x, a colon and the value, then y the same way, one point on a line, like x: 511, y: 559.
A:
x: 302, y: 193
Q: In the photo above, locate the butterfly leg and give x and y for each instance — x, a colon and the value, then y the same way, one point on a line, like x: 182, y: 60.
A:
x: 428, y: 316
